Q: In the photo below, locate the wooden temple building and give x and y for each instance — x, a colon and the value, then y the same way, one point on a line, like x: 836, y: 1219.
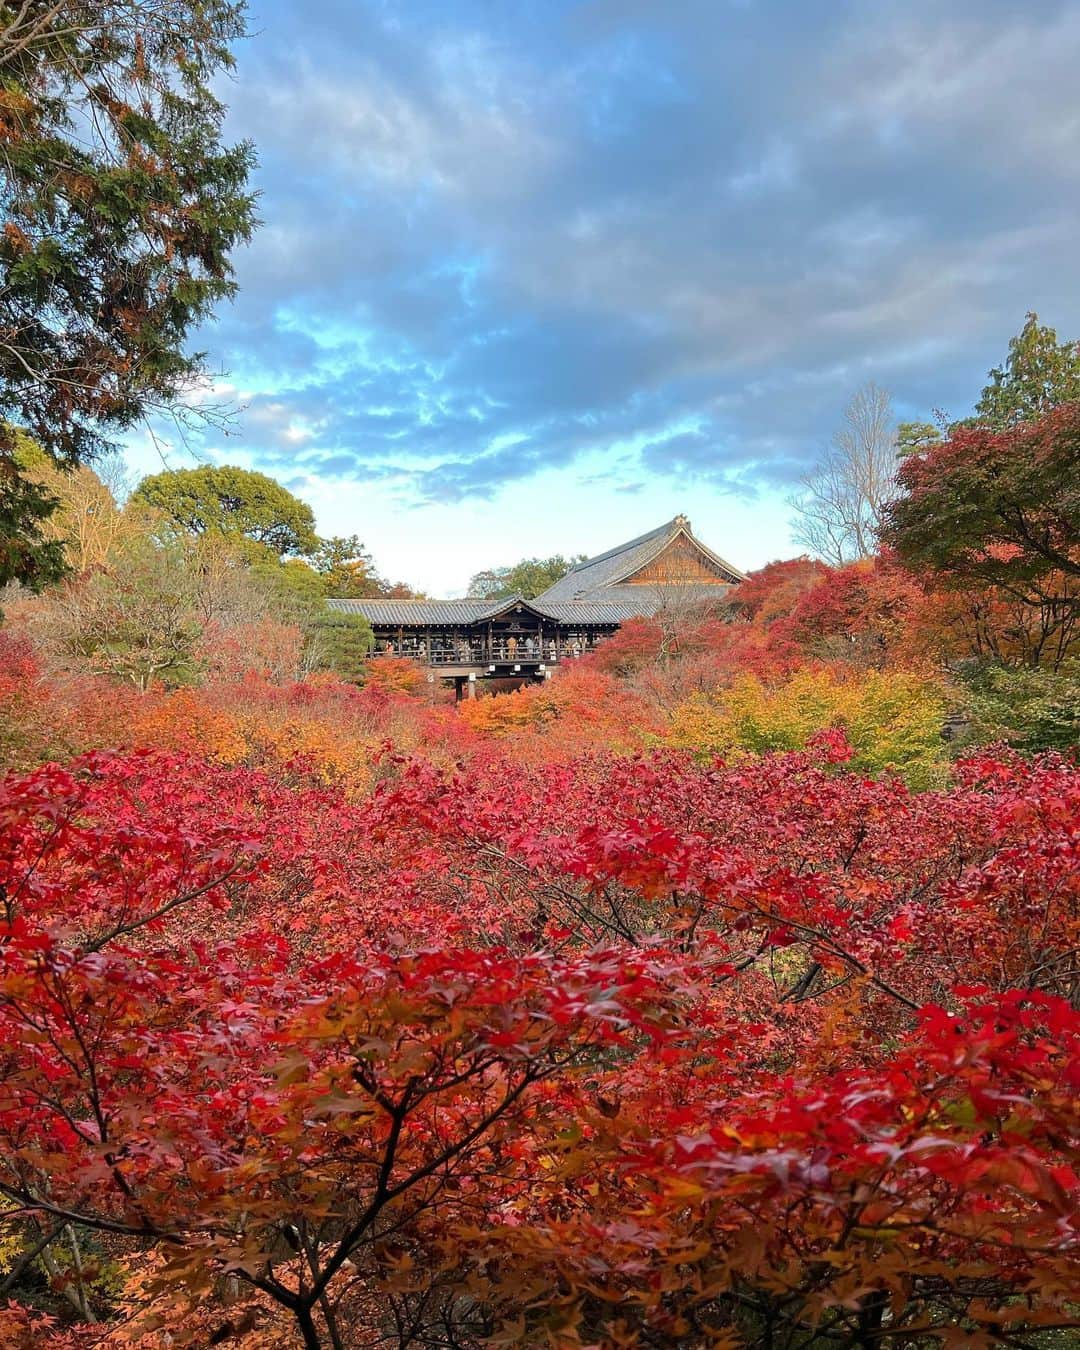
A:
x: 482, y: 639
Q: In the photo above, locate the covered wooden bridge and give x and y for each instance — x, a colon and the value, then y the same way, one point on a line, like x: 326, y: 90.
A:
x: 477, y: 639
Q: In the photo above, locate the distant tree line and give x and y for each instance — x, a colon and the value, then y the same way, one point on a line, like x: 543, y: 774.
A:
x: 528, y: 578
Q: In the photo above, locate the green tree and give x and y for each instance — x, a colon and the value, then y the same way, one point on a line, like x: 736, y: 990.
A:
x: 346, y: 568
x: 1034, y: 710
x: 335, y: 641
x: 135, y: 619
x: 294, y: 585
x: 528, y: 578
x: 913, y: 437
x: 29, y: 551
x: 237, y: 503
x: 340, y: 642
x: 121, y: 207
x: 1039, y: 374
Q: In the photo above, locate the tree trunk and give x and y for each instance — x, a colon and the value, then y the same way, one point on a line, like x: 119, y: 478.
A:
x: 308, y: 1329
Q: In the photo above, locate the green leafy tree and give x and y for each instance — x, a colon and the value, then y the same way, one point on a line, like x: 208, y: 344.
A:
x: 914, y: 437
x: 135, y: 619
x: 238, y: 503
x: 1034, y: 709
x: 346, y: 568
x: 528, y: 578
x: 334, y: 641
x: 121, y: 207
x: 29, y: 551
x: 293, y: 584
x: 1039, y: 374
x: 341, y: 643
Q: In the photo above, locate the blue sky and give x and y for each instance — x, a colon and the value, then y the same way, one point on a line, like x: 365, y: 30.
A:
x: 536, y: 275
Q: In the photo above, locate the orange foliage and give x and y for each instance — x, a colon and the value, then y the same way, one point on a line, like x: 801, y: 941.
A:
x: 581, y: 706
x: 860, y: 613
x: 393, y: 675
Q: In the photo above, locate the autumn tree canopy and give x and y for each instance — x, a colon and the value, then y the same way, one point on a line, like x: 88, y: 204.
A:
x: 785, y: 1012
x: 999, y: 508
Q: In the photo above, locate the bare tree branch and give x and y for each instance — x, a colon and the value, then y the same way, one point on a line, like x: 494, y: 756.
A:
x: 839, y: 510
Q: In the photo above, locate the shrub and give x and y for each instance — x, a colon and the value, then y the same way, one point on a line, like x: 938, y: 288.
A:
x: 893, y: 721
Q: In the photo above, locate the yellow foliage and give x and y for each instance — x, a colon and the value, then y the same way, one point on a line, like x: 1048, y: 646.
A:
x: 892, y: 720
x: 334, y: 759
x: 186, y: 720
x: 12, y: 1243
x: 183, y: 721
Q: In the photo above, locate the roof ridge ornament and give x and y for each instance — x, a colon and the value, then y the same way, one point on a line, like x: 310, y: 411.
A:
x: 681, y: 521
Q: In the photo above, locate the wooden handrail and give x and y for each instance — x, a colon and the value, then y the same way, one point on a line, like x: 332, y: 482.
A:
x: 479, y: 654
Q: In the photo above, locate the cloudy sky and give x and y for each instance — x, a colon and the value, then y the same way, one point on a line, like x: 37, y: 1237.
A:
x: 535, y: 275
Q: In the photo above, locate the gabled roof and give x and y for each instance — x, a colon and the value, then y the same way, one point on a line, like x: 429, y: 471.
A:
x: 593, y: 578
x: 595, y: 591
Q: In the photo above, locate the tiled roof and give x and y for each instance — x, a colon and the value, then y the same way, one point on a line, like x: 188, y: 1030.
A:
x: 641, y: 600
x: 608, y: 567
x: 649, y: 599
x: 420, y: 611
x: 591, y: 592
x: 614, y: 605
x: 591, y: 611
x: 595, y: 578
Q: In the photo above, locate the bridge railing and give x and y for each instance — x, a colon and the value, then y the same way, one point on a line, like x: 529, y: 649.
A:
x: 479, y: 654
